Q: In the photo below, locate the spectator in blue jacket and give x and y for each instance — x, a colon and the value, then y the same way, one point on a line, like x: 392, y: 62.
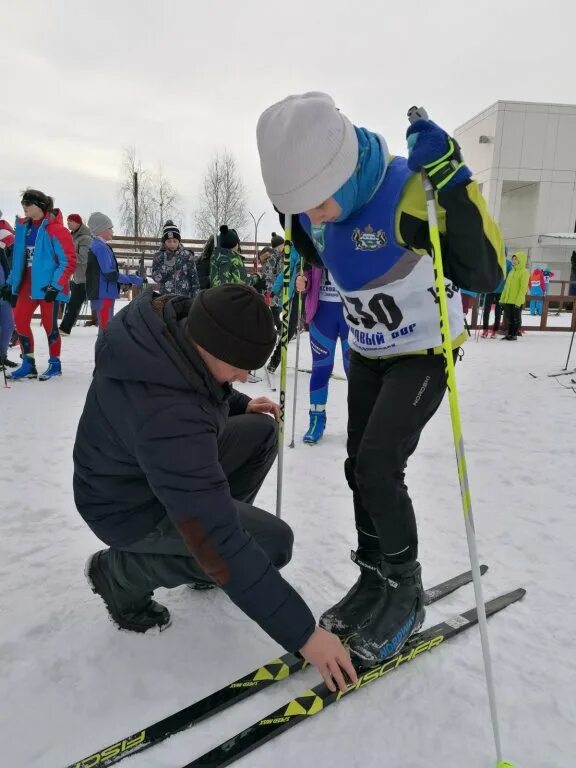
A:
x: 168, y: 461
x: 103, y: 277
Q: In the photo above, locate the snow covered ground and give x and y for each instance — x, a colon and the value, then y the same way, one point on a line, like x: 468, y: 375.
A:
x: 70, y: 683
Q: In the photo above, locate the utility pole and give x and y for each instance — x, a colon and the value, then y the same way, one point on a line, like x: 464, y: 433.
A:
x: 137, y: 222
x: 256, y: 222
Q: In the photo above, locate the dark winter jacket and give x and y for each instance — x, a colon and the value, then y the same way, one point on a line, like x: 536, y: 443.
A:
x: 203, y: 263
x: 147, y: 445
x: 175, y: 272
x: 82, y: 240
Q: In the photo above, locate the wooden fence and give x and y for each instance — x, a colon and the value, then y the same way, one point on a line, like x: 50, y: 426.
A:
x: 131, y: 250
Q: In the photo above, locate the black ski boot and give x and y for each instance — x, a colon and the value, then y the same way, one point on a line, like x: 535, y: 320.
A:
x: 135, y: 617
x: 358, y: 606
x: 6, y: 363
x: 399, y: 615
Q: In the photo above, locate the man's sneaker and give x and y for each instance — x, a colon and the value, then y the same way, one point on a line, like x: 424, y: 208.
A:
x: 493, y: 335
x: 6, y: 363
x: 316, y: 428
x: 398, y: 616
x: 484, y: 334
x: 27, y: 370
x: 54, y: 369
x: 358, y: 606
x: 252, y: 378
x: 134, y: 617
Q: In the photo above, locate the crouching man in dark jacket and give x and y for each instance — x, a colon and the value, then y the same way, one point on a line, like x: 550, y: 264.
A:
x: 168, y: 460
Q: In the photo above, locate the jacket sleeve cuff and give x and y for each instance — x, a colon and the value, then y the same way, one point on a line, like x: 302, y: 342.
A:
x: 238, y: 403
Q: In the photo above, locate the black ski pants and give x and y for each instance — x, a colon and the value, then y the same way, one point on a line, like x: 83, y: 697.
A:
x: 489, y: 299
x: 77, y: 299
x: 513, y: 317
x: 247, y: 449
x: 390, y: 401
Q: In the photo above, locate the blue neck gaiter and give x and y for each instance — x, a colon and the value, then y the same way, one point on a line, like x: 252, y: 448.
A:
x: 368, y: 175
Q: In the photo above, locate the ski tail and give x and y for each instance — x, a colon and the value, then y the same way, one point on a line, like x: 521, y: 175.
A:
x: 315, y: 700
x: 433, y: 594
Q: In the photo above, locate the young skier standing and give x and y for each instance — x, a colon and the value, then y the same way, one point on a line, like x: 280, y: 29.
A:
x: 362, y: 214
x: 327, y: 324
x: 43, y: 260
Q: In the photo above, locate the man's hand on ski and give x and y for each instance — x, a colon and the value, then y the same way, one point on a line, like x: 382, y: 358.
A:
x: 325, y: 651
x: 264, y: 405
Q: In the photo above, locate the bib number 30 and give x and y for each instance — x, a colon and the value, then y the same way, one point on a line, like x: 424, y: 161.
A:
x: 382, y: 309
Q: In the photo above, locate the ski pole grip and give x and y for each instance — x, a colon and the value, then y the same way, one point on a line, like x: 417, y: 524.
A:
x: 417, y: 113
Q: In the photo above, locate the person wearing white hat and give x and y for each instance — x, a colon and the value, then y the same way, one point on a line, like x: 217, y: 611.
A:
x: 361, y: 213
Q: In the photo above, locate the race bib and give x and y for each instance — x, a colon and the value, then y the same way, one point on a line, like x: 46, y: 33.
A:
x: 328, y: 291
x: 400, y: 317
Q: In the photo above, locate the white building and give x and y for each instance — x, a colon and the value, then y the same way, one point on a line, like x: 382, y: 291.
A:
x: 523, y: 155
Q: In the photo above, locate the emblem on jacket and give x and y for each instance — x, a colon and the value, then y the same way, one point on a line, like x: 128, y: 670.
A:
x: 368, y: 240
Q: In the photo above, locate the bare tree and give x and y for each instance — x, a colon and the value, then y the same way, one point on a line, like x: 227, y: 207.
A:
x: 131, y: 203
x: 222, y: 197
x: 164, y: 202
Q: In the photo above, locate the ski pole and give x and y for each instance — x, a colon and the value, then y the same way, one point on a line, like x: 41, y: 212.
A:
x: 269, y: 380
x: 283, y: 357
x: 569, y: 351
x: 415, y: 113
x: 297, y: 357
x: 477, y: 333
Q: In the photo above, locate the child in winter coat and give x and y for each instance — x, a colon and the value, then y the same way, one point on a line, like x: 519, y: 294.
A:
x: 102, y: 273
x: 514, y: 294
x: 227, y: 264
x: 173, y: 267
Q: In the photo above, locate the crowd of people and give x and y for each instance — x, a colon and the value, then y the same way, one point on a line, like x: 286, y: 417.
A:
x: 45, y: 265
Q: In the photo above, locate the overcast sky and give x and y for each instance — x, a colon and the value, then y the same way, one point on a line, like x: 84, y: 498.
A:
x: 180, y: 79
